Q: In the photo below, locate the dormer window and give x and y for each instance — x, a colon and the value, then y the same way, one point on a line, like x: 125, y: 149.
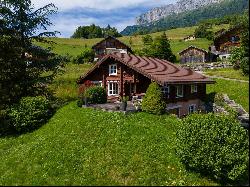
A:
x: 113, y: 69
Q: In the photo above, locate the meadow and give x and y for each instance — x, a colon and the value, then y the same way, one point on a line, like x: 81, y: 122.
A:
x: 74, y: 47
x: 227, y: 73
x: 80, y: 146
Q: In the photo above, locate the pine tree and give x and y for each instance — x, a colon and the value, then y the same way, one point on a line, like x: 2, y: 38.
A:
x: 160, y: 48
x: 25, y: 69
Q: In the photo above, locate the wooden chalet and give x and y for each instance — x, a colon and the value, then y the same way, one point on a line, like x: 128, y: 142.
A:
x: 226, y: 41
x: 130, y: 75
x: 194, y: 54
x: 108, y: 45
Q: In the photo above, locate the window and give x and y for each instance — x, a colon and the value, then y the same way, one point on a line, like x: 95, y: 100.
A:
x: 179, y: 91
x: 97, y: 83
x: 191, y: 109
x: 194, y: 88
x: 112, y: 88
x: 113, y: 69
x: 166, y: 90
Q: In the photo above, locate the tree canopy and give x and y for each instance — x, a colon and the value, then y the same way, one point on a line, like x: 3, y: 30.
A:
x: 94, y: 31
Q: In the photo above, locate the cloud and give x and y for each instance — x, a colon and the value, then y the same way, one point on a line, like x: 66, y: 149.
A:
x: 100, y: 4
x: 117, y: 13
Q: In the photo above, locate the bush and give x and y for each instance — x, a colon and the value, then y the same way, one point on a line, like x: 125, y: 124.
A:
x: 236, y: 57
x: 85, y: 57
x: 97, y: 95
x: 30, y: 113
x: 214, y: 145
x: 244, y: 65
x: 153, y: 101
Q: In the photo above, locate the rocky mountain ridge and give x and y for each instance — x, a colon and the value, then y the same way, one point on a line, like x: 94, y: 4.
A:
x: 180, y: 6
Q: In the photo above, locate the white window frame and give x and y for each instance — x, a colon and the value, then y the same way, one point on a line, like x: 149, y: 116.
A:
x: 165, y: 90
x: 194, y: 88
x: 193, y: 110
x: 113, y: 69
x: 177, y: 90
x: 97, y: 83
x: 112, y: 90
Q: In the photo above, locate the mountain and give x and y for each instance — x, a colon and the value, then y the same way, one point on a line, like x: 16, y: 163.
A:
x: 190, y: 17
x: 181, y: 6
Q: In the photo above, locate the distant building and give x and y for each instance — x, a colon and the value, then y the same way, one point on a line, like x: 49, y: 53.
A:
x: 189, y: 38
x: 109, y: 45
x: 194, y: 54
x: 226, y: 41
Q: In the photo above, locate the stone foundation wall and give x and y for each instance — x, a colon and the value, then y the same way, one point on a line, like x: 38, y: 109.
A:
x: 242, y: 115
x: 204, y: 66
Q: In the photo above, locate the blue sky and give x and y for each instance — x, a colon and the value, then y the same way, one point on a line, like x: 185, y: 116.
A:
x: 117, y: 13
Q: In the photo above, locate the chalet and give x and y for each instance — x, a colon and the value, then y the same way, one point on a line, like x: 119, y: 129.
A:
x: 130, y: 75
x: 108, y: 45
x: 194, y: 54
x: 189, y: 38
x: 226, y: 41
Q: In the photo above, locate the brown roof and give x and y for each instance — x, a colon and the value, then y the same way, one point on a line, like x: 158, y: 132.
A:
x: 193, y: 47
x: 161, y: 71
x: 129, y: 49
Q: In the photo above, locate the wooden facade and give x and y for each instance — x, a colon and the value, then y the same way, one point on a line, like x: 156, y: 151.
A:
x: 119, y: 78
x: 109, y: 45
x: 194, y: 54
x: 227, y: 40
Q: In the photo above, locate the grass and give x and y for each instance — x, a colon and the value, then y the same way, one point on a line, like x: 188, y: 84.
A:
x: 74, y: 46
x: 237, y: 91
x: 227, y: 73
x: 86, y: 147
x: 64, y: 85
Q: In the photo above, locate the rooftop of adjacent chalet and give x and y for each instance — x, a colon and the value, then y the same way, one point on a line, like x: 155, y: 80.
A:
x: 161, y: 71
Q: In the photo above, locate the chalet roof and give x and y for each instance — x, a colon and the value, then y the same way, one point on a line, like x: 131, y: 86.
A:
x: 225, y: 32
x: 161, y: 71
x: 194, y: 47
x: 114, y: 39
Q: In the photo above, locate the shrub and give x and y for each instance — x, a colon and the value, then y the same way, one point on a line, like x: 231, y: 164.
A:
x: 236, y: 57
x: 30, y: 113
x: 244, y: 65
x: 86, y: 56
x: 97, y: 95
x: 153, y: 101
x: 215, y: 145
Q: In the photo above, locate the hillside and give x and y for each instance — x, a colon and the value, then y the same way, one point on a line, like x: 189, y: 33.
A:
x: 180, y: 6
x: 190, y: 18
x: 74, y: 47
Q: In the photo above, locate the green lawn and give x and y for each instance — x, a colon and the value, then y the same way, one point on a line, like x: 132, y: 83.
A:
x: 86, y: 147
x: 64, y: 85
x: 237, y: 91
x: 227, y: 73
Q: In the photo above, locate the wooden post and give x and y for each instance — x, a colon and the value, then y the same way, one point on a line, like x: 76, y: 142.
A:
x: 135, y: 76
x: 121, y: 81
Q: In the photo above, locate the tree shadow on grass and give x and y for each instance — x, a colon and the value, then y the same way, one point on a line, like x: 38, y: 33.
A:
x: 243, y: 181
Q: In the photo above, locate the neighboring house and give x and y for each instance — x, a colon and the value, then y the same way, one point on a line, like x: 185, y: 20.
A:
x: 108, y: 45
x: 226, y: 41
x: 129, y: 75
x: 189, y: 38
x: 194, y: 54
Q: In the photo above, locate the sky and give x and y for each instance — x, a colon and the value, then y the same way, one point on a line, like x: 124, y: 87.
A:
x: 117, y: 13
